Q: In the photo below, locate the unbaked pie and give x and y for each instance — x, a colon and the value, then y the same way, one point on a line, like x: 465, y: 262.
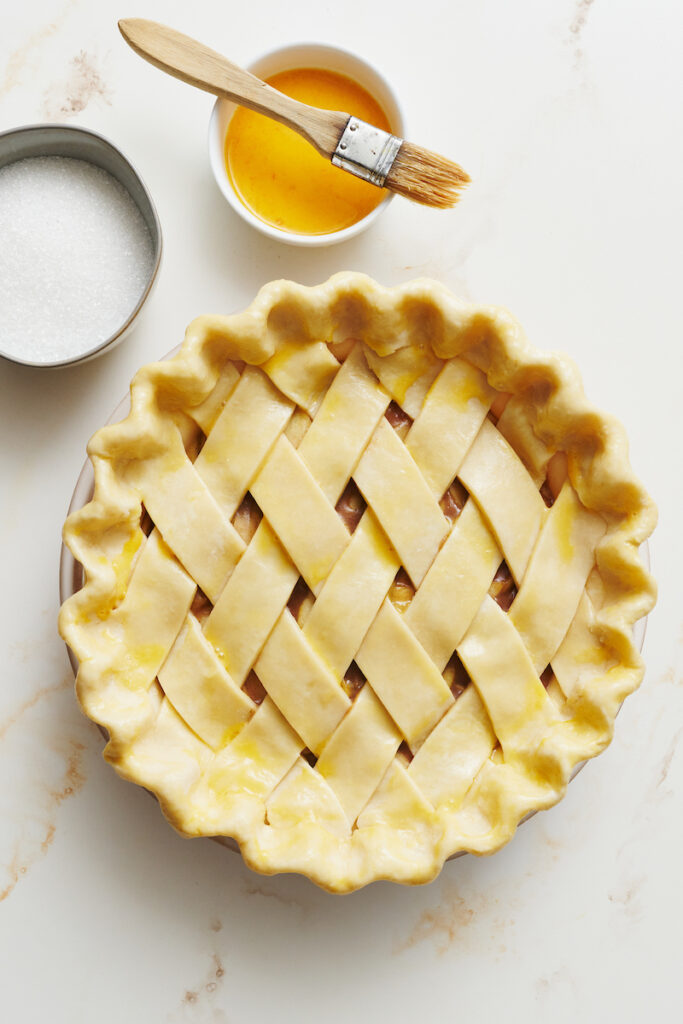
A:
x: 361, y: 571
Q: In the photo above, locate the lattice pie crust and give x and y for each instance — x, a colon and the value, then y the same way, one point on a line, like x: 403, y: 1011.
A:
x: 361, y: 575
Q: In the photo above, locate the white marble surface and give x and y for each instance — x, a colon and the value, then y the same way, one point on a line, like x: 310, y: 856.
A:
x: 568, y: 115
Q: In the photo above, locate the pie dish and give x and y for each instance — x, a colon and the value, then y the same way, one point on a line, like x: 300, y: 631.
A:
x: 361, y: 572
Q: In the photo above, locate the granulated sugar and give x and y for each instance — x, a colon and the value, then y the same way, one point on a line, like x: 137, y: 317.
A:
x: 75, y: 258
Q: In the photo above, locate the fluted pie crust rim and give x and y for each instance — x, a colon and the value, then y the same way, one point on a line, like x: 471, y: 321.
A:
x: 303, y: 820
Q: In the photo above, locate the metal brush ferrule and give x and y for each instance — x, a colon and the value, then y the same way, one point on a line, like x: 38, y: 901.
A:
x: 366, y: 151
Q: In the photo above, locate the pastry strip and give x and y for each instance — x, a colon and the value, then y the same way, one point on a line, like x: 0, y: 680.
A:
x: 315, y: 549
x: 151, y: 614
x: 200, y: 689
x: 251, y: 602
x: 453, y: 412
x: 397, y: 799
x: 514, y: 425
x: 260, y: 756
x: 454, y: 587
x: 303, y: 372
x: 542, y: 611
x: 504, y: 491
x: 304, y: 796
x: 207, y: 412
x: 343, y: 425
x: 407, y: 375
x: 406, y: 681
x: 253, y: 418
x: 453, y: 753
x: 358, y: 753
x: 153, y: 750
x: 190, y: 521
x: 500, y: 667
x: 408, y: 512
x: 351, y: 596
x: 304, y: 689
x: 581, y: 658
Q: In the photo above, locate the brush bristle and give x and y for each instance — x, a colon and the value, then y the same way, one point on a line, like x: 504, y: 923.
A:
x: 426, y: 177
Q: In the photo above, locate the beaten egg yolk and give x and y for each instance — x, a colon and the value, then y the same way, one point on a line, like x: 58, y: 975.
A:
x: 281, y: 178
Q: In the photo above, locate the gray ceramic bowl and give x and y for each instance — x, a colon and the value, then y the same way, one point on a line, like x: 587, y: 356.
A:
x: 83, y: 144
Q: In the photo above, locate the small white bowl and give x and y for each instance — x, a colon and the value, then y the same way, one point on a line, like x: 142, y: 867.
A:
x: 287, y: 58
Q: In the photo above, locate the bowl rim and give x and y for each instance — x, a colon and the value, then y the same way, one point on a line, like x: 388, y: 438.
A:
x: 308, y: 50
x: 157, y: 238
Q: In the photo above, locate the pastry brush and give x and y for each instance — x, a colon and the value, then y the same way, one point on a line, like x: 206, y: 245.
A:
x: 352, y: 144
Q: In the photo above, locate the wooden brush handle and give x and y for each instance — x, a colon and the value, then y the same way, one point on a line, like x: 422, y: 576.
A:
x: 191, y: 62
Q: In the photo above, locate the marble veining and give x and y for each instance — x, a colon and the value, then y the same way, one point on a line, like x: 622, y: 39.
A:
x: 84, y: 83
x: 200, y: 1001
x: 459, y: 919
x: 20, y: 59
x: 47, y: 768
x: 270, y: 891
